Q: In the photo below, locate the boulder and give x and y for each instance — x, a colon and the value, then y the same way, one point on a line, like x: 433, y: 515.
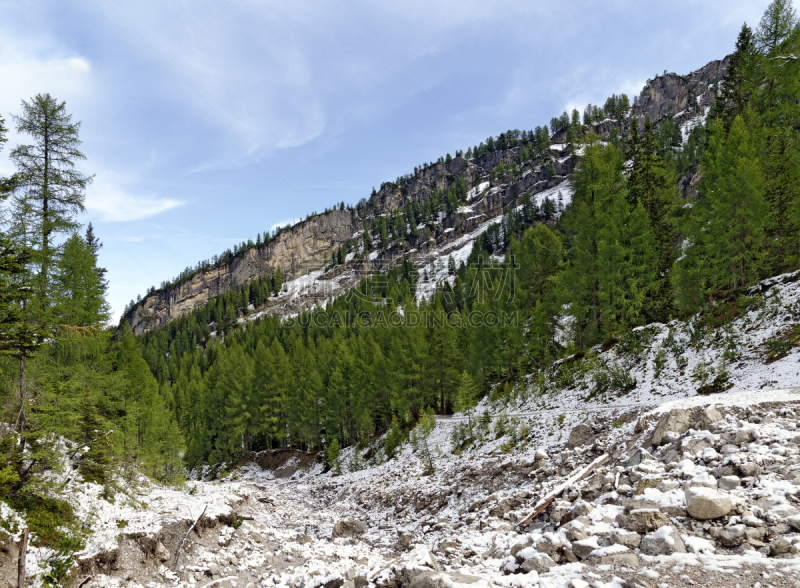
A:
x: 664, y: 541
x: 404, y: 539
x: 625, y: 558
x: 678, y: 421
x: 581, y: 509
x: 627, y: 538
x: 704, y: 480
x: 728, y: 482
x: 348, y: 528
x: 706, y: 503
x: 733, y: 536
x: 441, y: 580
x: 667, y: 485
x: 517, y: 547
x: 748, y: 470
x: 161, y: 552
x: 645, y: 520
x: 638, y: 457
x: 744, y: 436
x: 549, y: 544
x: 693, y: 445
x: 580, y: 435
x: 584, y: 547
x: 710, y: 416
x: 794, y: 522
x: 539, y: 562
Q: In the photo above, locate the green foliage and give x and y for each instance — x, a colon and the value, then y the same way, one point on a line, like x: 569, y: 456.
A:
x: 334, y: 450
x: 420, y: 439
x: 394, y: 438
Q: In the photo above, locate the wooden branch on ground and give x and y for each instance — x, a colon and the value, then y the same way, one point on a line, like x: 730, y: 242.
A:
x: 178, y: 551
x: 86, y: 579
x: 576, y: 477
x: 23, y: 552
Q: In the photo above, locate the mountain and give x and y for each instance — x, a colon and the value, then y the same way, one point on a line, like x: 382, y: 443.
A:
x: 303, y: 251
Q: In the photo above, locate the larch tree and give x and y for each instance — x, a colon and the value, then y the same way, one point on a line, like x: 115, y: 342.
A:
x: 52, y: 189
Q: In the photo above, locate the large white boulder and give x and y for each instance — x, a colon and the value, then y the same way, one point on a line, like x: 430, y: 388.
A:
x: 706, y: 503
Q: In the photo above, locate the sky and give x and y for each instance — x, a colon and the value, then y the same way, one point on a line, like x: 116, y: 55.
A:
x: 205, y: 122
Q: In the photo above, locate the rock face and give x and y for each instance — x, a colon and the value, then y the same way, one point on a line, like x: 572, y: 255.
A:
x: 705, y: 503
x: 678, y: 420
x: 308, y: 244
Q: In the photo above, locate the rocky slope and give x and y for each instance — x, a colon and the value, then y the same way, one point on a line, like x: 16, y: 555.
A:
x: 304, y: 248
x: 669, y: 459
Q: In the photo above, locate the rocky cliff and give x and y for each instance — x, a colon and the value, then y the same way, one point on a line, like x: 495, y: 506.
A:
x: 309, y: 244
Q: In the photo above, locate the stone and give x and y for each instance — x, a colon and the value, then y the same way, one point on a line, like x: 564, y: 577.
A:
x: 664, y: 541
x: 667, y: 485
x: 636, y: 583
x: 747, y: 470
x: 441, y: 580
x: 549, y: 544
x: 517, y: 547
x: 581, y: 509
x: 580, y: 436
x: 575, y: 531
x: 704, y: 480
x: 693, y: 445
x: 629, y: 539
x: 728, y: 482
x: 794, y: 522
x: 678, y: 421
x: 733, y: 536
x: 348, y: 528
x: 161, y: 552
x: 744, y: 436
x: 360, y: 582
x: 710, y: 416
x: 539, y: 562
x: 404, y: 539
x: 638, y: 457
x: 625, y: 558
x: 584, y: 547
x: 645, y: 520
x: 706, y: 503
x: 780, y: 546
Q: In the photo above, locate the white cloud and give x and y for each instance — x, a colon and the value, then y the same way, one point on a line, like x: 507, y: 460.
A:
x: 116, y: 204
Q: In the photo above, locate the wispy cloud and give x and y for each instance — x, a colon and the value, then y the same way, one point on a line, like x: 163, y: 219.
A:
x: 284, y: 222
x: 114, y: 203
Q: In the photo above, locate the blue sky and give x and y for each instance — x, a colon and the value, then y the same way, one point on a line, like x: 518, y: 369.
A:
x: 208, y: 121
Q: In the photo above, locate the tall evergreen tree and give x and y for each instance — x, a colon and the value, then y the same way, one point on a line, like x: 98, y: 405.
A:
x: 52, y: 189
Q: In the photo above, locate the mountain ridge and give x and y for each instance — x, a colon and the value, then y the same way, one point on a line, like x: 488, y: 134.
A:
x: 309, y: 245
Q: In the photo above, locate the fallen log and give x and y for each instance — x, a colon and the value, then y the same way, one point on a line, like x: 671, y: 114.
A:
x: 575, y: 477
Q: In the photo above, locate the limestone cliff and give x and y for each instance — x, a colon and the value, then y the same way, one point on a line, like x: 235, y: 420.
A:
x: 309, y: 244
